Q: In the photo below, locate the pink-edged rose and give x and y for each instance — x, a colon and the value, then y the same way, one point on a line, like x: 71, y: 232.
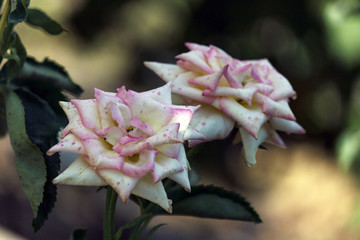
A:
x: 128, y: 140
x: 251, y: 94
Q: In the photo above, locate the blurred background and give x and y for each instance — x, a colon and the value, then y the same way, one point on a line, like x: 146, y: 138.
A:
x: 308, y: 191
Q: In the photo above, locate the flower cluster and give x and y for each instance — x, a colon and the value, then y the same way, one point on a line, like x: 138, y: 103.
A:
x: 128, y: 140
x: 251, y: 94
x: 131, y: 141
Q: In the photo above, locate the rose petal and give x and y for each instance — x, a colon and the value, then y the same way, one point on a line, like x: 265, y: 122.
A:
x: 75, y: 125
x: 143, y: 163
x: 121, y: 114
x: 209, y: 81
x: 212, y: 58
x: 69, y: 144
x: 144, y: 127
x: 255, y: 73
x: 165, y: 167
x: 132, y: 148
x: 101, y: 155
x: 271, y: 108
x: 245, y: 94
x: 111, y: 134
x: 182, y: 177
x: 250, y: 119
x: 197, y: 59
x: 274, y: 138
x: 148, y: 110
x: 195, y: 46
x: 286, y: 126
x: 121, y: 183
x: 104, y: 99
x: 167, y: 134
x: 170, y: 150
x: 80, y: 173
x: 251, y: 145
x: 194, y: 135
x: 181, y: 86
x: 189, y: 66
x: 232, y: 80
x: 167, y: 72
x: 153, y: 192
x: 183, y: 115
x: 210, y: 123
x: 88, y: 112
x: 282, y: 87
x: 161, y: 94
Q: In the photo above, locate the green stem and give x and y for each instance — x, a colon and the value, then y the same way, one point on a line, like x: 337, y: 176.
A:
x: 4, y: 17
x: 4, y: 29
x: 142, y: 227
x: 111, y: 197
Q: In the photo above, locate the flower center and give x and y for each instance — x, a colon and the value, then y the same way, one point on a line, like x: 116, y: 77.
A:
x: 134, y: 158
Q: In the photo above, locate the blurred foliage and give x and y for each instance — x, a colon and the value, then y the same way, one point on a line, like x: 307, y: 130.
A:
x: 315, y: 44
x: 297, y: 37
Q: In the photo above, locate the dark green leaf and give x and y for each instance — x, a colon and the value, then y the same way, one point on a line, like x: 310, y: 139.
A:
x: 153, y: 230
x: 262, y: 147
x: 47, y: 80
x: 16, y: 57
x: 26, y: 2
x: 30, y: 163
x: 78, y: 234
x: 194, y: 151
x: 38, y: 18
x: 131, y: 224
x: 193, y: 177
x: 212, y: 202
x: 3, y: 124
x: 5, y: 38
x: 17, y: 12
x: 42, y: 126
x: 49, y: 72
x: 17, y: 48
x: 1, y: 1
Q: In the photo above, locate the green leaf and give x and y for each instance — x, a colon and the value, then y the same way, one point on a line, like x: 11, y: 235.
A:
x: 16, y: 57
x: 17, y: 48
x: 38, y: 18
x: 47, y: 80
x: 48, y: 72
x: 26, y: 3
x: 29, y: 160
x: 153, y: 230
x: 131, y: 224
x: 3, y: 124
x: 193, y: 177
x: 17, y: 12
x: 78, y: 234
x: 42, y: 126
x: 212, y: 202
x: 12, y: 56
x: 348, y: 148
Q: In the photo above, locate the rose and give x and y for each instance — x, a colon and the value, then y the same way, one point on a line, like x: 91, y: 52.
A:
x: 251, y: 94
x: 128, y: 140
